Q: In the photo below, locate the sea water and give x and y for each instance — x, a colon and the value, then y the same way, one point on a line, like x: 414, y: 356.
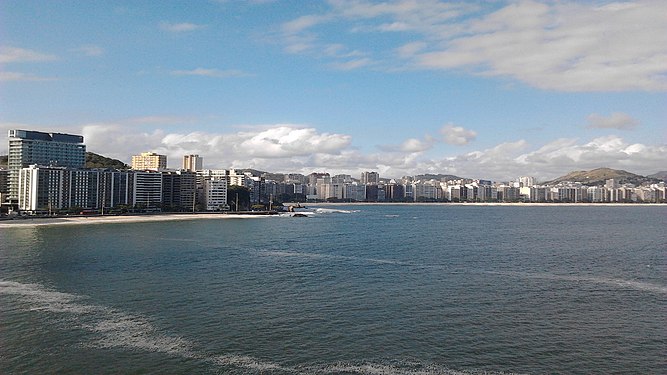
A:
x: 359, y: 289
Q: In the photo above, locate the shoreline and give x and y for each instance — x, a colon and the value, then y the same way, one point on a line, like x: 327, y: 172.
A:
x: 118, y: 219
x: 144, y: 218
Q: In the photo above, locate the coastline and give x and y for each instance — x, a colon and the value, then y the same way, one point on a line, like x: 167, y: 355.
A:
x: 121, y: 219
x: 91, y: 220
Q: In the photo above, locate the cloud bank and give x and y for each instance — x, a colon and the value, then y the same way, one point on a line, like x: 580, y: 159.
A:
x: 304, y: 149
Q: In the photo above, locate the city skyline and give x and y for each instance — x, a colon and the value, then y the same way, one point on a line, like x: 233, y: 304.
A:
x: 491, y: 91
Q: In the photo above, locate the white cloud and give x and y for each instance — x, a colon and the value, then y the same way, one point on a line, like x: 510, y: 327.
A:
x: 616, y: 120
x: 417, y: 145
x: 351, y: 64
x: 22, y: 77
x: 90, y: 50
x: 293, y: 148
x: 180, y: 27
x: 564, y: 46
x: 457, y: 135
x: 17, y: 55
x: 215, y: 73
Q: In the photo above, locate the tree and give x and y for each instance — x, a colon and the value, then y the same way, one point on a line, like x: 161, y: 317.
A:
x: 243, y: 194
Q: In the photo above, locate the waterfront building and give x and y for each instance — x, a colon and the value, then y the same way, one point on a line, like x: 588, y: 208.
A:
x: 28, y: 147
x: 4, y: 184
x: 235, y: 177
x: 526, y: 181
x: 355, y: 192
x: 149, y: 161
x: 146, y: 189
x: 179, y: 190
x: 215, y: 194
x: 394, y: 192
x: 323, y: 188
x: 192, y: 163
x: 370, y: 178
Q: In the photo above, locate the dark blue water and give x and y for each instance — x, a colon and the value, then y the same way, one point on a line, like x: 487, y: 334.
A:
x: 370, y: 290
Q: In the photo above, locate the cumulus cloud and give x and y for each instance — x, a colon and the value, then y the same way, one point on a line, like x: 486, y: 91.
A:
x: 180, y: 27
x: 616, y: 120
x: 303, y: 149
x: 564, y: 46
x: 417, y: 145
x: 16, y: 55
x: 215, y: 73
x: 457, y: 135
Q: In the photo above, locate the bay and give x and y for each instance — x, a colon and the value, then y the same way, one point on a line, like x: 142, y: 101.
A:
x: 368, y: 289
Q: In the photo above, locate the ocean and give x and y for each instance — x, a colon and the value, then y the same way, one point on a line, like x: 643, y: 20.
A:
x: 358, y: 289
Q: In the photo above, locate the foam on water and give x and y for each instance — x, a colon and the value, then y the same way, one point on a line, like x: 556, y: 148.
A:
x: 619, y: 283
x: 112, y: 328
x: 334, y: 211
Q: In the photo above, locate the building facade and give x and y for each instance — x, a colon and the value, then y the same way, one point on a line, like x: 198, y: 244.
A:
x: 49, y: 149
x: 149, y: 161
x: 192, y: 163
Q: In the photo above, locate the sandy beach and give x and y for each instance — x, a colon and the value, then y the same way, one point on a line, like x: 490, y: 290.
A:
x: 83, y: 220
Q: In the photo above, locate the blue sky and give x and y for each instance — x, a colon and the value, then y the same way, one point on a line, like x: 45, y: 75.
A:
x: 478, y: 89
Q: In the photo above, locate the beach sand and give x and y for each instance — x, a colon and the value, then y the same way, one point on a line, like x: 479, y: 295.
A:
x: 82, y: 220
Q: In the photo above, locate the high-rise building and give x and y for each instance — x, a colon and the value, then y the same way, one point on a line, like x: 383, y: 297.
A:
x: 370, y: 178
x: 526, y: 181
x: 149, y: 161
x: 47, y: 149
x: 193, y: 163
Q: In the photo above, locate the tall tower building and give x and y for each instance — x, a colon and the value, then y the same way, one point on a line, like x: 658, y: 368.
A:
x: 149, y: 161
x: 46, y: 149
x: 193, y: 163
x: 370, y: 178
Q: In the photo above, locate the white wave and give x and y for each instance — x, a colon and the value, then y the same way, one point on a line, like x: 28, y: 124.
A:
x: 334, y: 211
x: 248, y: 362
x: 112, y: 328
x: 624, y: 284
x: 406, y: 368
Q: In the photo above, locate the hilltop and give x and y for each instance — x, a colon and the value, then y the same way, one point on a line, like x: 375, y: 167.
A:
x: 662, y: 175
x: 94, y: 160
x: 600, y: 175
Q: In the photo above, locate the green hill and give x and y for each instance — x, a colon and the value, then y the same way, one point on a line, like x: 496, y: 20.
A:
x: 94, y: 160
x: 600, y: 175
x: 3, y: 161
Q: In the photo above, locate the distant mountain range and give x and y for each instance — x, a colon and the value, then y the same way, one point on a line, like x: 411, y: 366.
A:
x: 600, y: 175
x: 662, y: 175
x: 593, y: 177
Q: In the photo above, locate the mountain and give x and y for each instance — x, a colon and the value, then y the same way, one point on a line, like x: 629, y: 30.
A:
x: 600, y: 175
x: 3, y: 161
x: 437, y: 177
x: 662, y: 175
x: 94, y: 160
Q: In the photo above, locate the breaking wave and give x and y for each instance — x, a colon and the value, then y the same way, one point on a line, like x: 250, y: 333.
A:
x: 113, y: 328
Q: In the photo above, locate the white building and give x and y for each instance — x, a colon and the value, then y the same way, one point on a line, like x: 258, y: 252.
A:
x: 215, y: 194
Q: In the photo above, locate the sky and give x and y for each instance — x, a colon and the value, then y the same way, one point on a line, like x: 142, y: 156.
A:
x: 490, y: 90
